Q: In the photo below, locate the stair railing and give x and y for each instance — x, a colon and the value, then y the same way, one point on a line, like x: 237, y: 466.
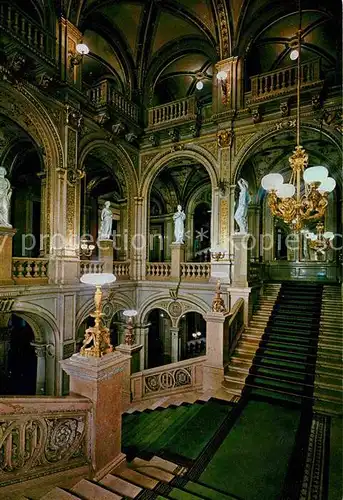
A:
x: 235, y: 326
x: 42, y: 436
x: 168, y: 379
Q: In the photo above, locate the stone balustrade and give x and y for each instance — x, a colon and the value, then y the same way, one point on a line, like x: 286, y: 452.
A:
x: 121, y: 270
x: 91, y: 266
x: 176, y: 111
x: 281, y: 81
x: 158, y: 270
x: 26, y: 30
x: 26, y: 269
x: 42, y: 436
x: 104, y: 93
x: 196, y: 270
x: 168, y: 379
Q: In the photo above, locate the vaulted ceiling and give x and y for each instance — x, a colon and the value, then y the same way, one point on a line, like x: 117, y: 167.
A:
x: 161, y: 48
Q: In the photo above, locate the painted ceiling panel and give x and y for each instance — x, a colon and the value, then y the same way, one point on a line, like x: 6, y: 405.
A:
x: 288, y: 26
x: 202, y: 10
x: 101, y: 48
x: 171, y: 27
x: 126, y: 17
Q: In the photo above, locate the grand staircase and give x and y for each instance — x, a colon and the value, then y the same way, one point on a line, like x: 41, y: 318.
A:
x: 292, y: 348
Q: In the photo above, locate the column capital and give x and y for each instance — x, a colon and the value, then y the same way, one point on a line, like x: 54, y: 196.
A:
x: 40, y: 349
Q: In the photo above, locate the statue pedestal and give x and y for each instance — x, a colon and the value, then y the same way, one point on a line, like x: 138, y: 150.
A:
x: 240, y: 242
x: 6, y: 242
x: 214, y: 364
x: 106, y: 254
x: 177, y: 256
x: 101, y: 380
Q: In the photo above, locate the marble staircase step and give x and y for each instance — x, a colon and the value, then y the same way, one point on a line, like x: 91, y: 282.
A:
x: 88, y: 490
x: 135, y: 477
x: 167, y: 466
x: 59, y: 494
x: 120, y: 486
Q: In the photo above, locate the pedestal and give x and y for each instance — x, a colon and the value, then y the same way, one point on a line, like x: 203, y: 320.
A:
x: 132, y: 366
x: 214, y: 364
x: 101, y: 380
x: 221, y: 270
x: 240, y: 243
x: 177, y: 256
x: 106, y: 254
x: 6, y: 242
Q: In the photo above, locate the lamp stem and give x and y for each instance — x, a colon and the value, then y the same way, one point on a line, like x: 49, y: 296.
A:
x: 299, y: 77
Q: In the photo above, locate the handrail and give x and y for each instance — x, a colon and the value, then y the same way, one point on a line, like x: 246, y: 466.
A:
x: 42, y: 435
x: 234, y: 328
x: 166, y: 379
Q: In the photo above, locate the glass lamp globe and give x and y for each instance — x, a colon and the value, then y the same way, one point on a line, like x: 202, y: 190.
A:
x: 97, y: 279
x: 285, y: 191
x: 328, y: 235
x: 199, y: 85
x: 272, y: 181
x: 221, y: 75
x: 315, y: 174
x: 327, y: 185
x: 129, y: 313
x: 82, y: 49
x: 294, y: 54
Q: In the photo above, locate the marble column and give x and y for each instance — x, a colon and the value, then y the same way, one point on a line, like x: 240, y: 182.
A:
x: 174, y: 332
x: 40, y: 350
x: 101, y: 380
x: 138, y: 243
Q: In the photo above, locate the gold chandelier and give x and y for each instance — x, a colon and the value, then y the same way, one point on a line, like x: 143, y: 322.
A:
x: 287, y: 200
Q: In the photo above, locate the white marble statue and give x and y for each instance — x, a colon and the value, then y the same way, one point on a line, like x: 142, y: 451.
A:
x: 5, y: 199
x: 106, y: 222
x: 241, y: 214
x: 179, y: 227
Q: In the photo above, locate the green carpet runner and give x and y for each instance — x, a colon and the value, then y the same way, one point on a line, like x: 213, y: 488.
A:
x: 284, y: 364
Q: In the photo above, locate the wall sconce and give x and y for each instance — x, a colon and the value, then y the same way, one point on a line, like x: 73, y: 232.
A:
x: 76, y: 57
x: 223, y: 80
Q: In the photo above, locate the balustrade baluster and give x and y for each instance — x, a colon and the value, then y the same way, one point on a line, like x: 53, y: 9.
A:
x: 41, y: 42
x: 29, y: 33
x: 36, y: 269
x: 23, y: 27
x: 28, y: 269
x: 16, y: 22
x: 7, y: 459
x: 20, y: 270
x: 1, y: 13
x: 44, y: 270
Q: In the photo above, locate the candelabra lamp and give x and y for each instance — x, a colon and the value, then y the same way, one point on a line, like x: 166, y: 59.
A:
x: 97, y: 338
x: 129, y: 335
x: 294, y: 204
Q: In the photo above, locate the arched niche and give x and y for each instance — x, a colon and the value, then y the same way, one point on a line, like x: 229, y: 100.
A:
x: 23, y: 162
x: 269, y: 152
x: 109, y: 176
x: 159, y: 344
x: 179, y: 182
x: 192, y: 334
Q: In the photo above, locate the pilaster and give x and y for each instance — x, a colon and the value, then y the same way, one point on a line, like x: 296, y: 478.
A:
x: 6, y: 243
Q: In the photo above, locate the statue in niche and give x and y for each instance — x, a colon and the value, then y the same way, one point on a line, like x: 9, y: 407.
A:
x: 241, y: 214
x: 5, y: 199
x: 179, y: 229
x: 106, y: 222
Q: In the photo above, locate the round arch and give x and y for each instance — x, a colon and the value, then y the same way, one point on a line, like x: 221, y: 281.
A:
x: 94, y: 141
x: 156, y: 165
x: 258, y: 139
x: 109, y: 308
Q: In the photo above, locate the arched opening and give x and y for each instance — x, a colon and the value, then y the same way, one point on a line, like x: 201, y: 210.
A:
x: 23, y: 162
x: 181, y: 182
x: 104, y: 182
x: 192, y: 335
x: 202, y: 228
x: 159, y: 338
x: 273, y: 238
x: 18, y: 360
x: 117, y: 328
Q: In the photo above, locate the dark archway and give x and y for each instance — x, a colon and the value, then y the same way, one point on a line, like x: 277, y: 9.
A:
x: 193, y: 335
